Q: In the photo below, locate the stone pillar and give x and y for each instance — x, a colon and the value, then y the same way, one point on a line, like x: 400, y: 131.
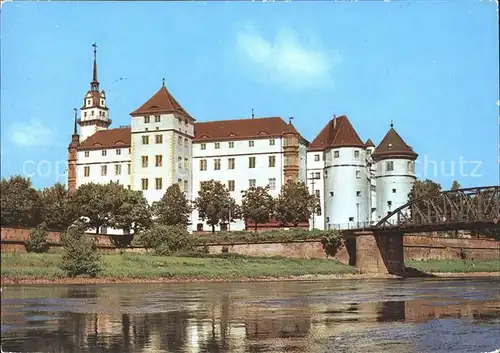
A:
x: 380, y: 253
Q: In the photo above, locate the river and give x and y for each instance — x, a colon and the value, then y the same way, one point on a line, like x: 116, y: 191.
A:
x: 403, y: 316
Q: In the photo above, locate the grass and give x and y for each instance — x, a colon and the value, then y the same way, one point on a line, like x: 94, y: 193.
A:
x: 455, y: 266
x: 145, y: 266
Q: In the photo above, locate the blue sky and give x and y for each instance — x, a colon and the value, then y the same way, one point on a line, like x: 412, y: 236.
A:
x: 432, y: 67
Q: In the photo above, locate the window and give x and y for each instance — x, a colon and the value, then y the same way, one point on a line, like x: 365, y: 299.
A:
x: 317, y: 175
x: 118, y: 169
x: 358, y: 174
x: 85, y: 114
x: 92, y: 113
x: 230, y: 163
x: 317, y: 193
x: 372, y: 187
x: 185, y: 185
x: 179, y: 140
x: 217, y: 145
x: 318, y: 211
x: 272, y: 142
x: 145, y: 140
x: 230, y: 185
x: 88, y: 101
x: 186, y: 163
x: 144, y: 184
x: 128, y: 187
x: 179, y: 162
x: 356, y: 154
x: 389, y: 203
x: 158, y: 160
x: 146, y: 119
x: 179, y: 182
x: 128, y: 169
x: 316, y: 157
x: 129, y: 151
x: 393, y: 191
x: 351, y: 219
x: 157, y: 118
x: 251, y: 162
x: 326, y: 174
x: 332, y: 194
x: 217, y: 164
x: 144, y: 160
x: 103, y: 152
x: 389, y: 166
x: 336, y: 154
x: 358, y: 193
x: 86, y: 171
x: 251, y: 183
x: 158, y: 183
x: 203, y: 146
x: 186, y: 143
x: 231, y: 144
x: 272, y: 183
x: 118, y: 152
x: 203, y: 164
x: 251, y: 143
x: 272, y: 161
x: 87, y: 153
x: 159, y: 138
x: 411, y: 167
x: 104, y: 170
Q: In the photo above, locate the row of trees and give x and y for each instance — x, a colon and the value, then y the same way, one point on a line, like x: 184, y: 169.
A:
x: 112, y: 205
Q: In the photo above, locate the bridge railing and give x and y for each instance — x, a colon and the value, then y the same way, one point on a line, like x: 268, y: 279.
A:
x: 351, y: 225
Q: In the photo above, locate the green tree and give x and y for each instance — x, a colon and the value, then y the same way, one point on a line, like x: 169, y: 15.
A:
x: 421, y: 188
x: 455, y: 185
x: 37, y: 241
x: 215, y: 204
x: 173, y: 208
x: 57, y: 210
x: 98, y: 203
x: 133, y: 214
x: 257, y: 205
x: 20, y: 202
x: 80, y: 254
x: 295, y: 204
x: 167, y: 239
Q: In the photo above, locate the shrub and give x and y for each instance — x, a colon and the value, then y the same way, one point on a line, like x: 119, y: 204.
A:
x: 37, y: 241
x: 332, y: 241
x: 80, y: 254
x: 166, y: 240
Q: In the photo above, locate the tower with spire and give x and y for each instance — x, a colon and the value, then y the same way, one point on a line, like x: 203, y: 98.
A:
x: 395, y: 172
x: 94, y: 112
x: 73, y: 156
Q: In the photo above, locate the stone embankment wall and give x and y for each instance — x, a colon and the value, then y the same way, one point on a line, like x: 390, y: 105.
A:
x: 416, y: 247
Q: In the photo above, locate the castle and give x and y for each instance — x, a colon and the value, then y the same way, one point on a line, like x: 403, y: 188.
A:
x: 356, y: 182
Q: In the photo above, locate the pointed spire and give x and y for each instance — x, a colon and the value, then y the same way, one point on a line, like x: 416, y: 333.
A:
x: 392, y: 124
x: 94, y: 85
x: 163, y: 82
x: 290, y: 120
x: 253, y: 115
x: 75, y: 131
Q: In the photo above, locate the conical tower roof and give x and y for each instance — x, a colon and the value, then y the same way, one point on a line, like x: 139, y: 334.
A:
x: 369, y: 143
x: 337, y: 133
x: 393, y: 146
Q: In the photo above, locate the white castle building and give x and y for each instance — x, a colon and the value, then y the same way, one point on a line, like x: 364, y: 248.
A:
x: 357, y: 183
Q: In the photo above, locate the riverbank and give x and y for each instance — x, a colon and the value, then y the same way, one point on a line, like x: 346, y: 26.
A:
x: 23, y: 268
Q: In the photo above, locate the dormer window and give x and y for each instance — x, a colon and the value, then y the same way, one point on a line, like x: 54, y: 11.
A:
x: 88, y: 101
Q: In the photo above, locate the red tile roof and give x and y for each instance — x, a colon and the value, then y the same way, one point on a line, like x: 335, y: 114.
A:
x: 393, y: 146
x: 337, y: 133
x: 369, y: 143
x: 161, y: 102
x: 103, y: 139
x: 238, y: 129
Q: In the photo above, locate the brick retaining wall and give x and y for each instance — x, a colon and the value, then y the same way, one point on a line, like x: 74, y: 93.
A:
x: 416, y: 247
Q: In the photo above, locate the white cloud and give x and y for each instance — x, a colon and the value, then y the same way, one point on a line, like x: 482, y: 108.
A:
x: 32, y: 133
x: 286, y: 60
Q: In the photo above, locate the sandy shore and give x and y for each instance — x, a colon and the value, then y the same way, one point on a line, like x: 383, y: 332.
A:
x: 357, y: 276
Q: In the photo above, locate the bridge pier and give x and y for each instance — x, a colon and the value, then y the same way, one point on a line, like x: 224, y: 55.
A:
x: 378, y: 252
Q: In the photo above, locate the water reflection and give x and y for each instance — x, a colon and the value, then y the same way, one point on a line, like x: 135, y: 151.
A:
x: 375, y: 316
